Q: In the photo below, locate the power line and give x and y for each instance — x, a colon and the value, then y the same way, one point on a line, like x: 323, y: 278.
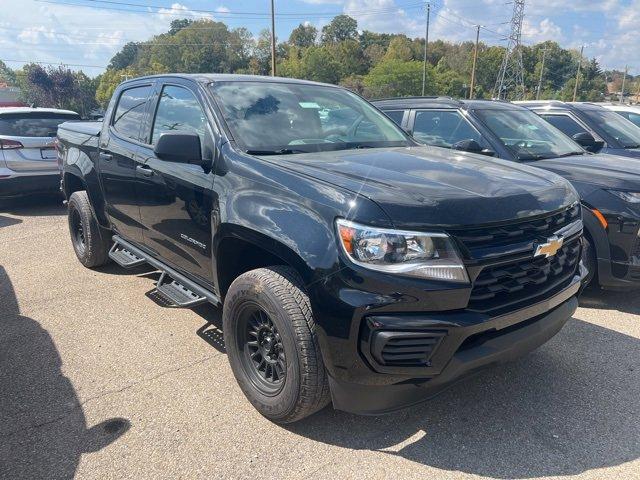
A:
x: 511, y: 74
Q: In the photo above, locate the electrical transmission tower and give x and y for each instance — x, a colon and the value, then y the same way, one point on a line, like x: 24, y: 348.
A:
x: 511, y: 76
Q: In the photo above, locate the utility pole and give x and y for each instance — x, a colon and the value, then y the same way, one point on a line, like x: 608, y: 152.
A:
x: 426, y: 43
x: 544, y: 57
x: 624, y: 80
x: 273, y: 40
x: 575, y: 88
x: 475, y: 62
x: 511, y: 75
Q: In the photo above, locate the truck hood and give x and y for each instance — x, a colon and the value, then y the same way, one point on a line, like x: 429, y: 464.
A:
x: 428, y: 186
x: 609, y: 171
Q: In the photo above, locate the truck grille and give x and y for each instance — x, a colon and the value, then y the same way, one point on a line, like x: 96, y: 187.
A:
x: 516, y: 232
x: 502, y: 285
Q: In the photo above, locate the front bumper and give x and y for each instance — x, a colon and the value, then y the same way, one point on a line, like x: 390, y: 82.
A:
x: 467, y: 342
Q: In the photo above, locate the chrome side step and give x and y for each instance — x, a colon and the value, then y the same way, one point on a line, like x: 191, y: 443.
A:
x: 178, y: 290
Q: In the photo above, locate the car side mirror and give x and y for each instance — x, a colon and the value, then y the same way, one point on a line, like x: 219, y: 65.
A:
x: 470, y: 146
x: 587, y: 141
x: 179, y: 147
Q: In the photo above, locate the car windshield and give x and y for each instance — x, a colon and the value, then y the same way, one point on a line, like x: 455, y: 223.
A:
x: 278, y: 118
x: 616, y: 126
x: 527, y: 135
x: 36, y: 124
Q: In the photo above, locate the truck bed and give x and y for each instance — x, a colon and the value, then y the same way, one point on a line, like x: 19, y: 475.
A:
x: 80, y: 133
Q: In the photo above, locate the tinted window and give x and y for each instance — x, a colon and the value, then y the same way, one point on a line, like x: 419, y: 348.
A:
x: 36, y: 124
x: 178, y: 109
x: 565, y: 124
x: 130, y: 111
x: 270, y: 117
x: 621, y: 129
x: 395, y: 115
x: 443, y: 128
x: 633, y: 117
x: 526, y: 135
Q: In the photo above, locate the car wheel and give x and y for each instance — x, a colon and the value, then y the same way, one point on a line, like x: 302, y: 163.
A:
x: 589, y: 261
x: 89, y: 241
x: 269, y: 335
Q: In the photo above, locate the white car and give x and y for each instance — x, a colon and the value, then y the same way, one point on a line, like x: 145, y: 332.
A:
x: 630, y: 112
x: 28, y: 161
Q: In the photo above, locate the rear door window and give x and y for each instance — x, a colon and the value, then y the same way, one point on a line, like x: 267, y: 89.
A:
x: 443, y: 128
x: 129, y: 114
x: 564, y: 123
x: 33, y: 124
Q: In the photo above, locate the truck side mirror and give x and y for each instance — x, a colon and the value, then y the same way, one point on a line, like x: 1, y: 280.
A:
x: 179, y: 147
x: 587, y: 141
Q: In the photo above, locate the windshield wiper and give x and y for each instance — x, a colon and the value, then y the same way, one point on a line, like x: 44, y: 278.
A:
x: 282, y: 151
x: 569, y: 154
x: 631, y: 146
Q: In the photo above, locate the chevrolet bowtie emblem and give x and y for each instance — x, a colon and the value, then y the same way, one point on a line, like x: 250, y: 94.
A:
x: 550, y: 248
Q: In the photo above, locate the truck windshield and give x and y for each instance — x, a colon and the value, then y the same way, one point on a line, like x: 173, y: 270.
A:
x: 33, y: 124
x: 285, y: 118
x: 625, y: 132
x: 528, y: 136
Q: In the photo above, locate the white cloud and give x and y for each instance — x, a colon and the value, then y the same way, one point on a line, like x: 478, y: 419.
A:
x: 222, y: 9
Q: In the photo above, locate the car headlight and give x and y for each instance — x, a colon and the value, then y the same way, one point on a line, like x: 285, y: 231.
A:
x: 415, y: 254
x: 631, y: 197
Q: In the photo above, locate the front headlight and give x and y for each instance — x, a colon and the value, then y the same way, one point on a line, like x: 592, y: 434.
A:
x: 416, y: 254
x: 631, y: 197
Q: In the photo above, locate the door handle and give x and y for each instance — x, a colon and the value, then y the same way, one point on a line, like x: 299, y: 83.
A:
x: 144, y: 170
x: 106, y: 156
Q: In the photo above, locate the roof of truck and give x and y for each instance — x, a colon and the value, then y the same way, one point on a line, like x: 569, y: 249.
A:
x: 228, y: 77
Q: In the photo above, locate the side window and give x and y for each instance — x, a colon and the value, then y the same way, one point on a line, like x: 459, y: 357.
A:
x: 178, y: 109
x: 634, y: 118
x: 129, y: 113
x: 564, y: 123
x: 443, y: 128
x: 395, y: 115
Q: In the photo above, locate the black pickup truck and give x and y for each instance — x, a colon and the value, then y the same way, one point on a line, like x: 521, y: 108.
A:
x: 352, y: 264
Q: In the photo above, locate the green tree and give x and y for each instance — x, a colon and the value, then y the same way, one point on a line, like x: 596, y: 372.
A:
x: 400, y: 48
x: 125, y: 57
x: 179, y: 24
x: 7, y: 75
x: 319, y: 64
x: 303, y: 36
x: 341, y: 28
x: 398, y: 78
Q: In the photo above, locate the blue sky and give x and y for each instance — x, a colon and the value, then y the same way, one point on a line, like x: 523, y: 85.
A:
x: 86, y: 33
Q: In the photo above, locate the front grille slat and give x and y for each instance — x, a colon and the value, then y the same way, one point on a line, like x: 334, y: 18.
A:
x: 478, y: 238
x: 497, y: 286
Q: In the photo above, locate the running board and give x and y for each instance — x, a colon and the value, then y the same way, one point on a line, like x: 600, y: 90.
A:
x: 177, y: 294
x: 124, y: 257
x: 172, y: 286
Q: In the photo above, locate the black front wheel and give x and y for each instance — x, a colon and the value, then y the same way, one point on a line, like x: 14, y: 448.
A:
x: 269, y: 335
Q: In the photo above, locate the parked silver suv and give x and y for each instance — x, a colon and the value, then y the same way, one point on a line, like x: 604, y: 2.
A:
x: 28, y: 161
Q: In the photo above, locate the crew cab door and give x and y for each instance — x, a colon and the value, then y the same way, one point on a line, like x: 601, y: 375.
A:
x: 118, y: 159
x: 175, y: 198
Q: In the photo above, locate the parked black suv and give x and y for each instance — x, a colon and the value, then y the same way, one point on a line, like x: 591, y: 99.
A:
x: 597, y: 129
x: 350, y: 262
x: 608, y: 185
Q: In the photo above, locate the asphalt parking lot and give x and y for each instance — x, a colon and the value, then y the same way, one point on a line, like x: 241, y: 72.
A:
x: 98, y: 380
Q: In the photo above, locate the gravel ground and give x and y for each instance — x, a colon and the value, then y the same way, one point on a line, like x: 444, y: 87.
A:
x: 99, y: 381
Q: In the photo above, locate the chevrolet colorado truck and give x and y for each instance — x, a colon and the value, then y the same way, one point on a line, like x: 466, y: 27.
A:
x: 352, y: 265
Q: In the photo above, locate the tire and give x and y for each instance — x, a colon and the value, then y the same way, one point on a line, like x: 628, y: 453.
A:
x: 90, y: 242
x: 589, y: 260
x: 270, y: 306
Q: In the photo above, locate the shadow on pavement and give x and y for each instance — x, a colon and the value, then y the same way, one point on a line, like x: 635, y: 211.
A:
x: 43, y: 430
x: 8, y: 221
x: 568, y: 408
x: 628, y: 302
x: 36, y: 206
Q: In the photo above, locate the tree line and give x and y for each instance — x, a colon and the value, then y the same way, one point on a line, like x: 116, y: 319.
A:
x: 373, y: 64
